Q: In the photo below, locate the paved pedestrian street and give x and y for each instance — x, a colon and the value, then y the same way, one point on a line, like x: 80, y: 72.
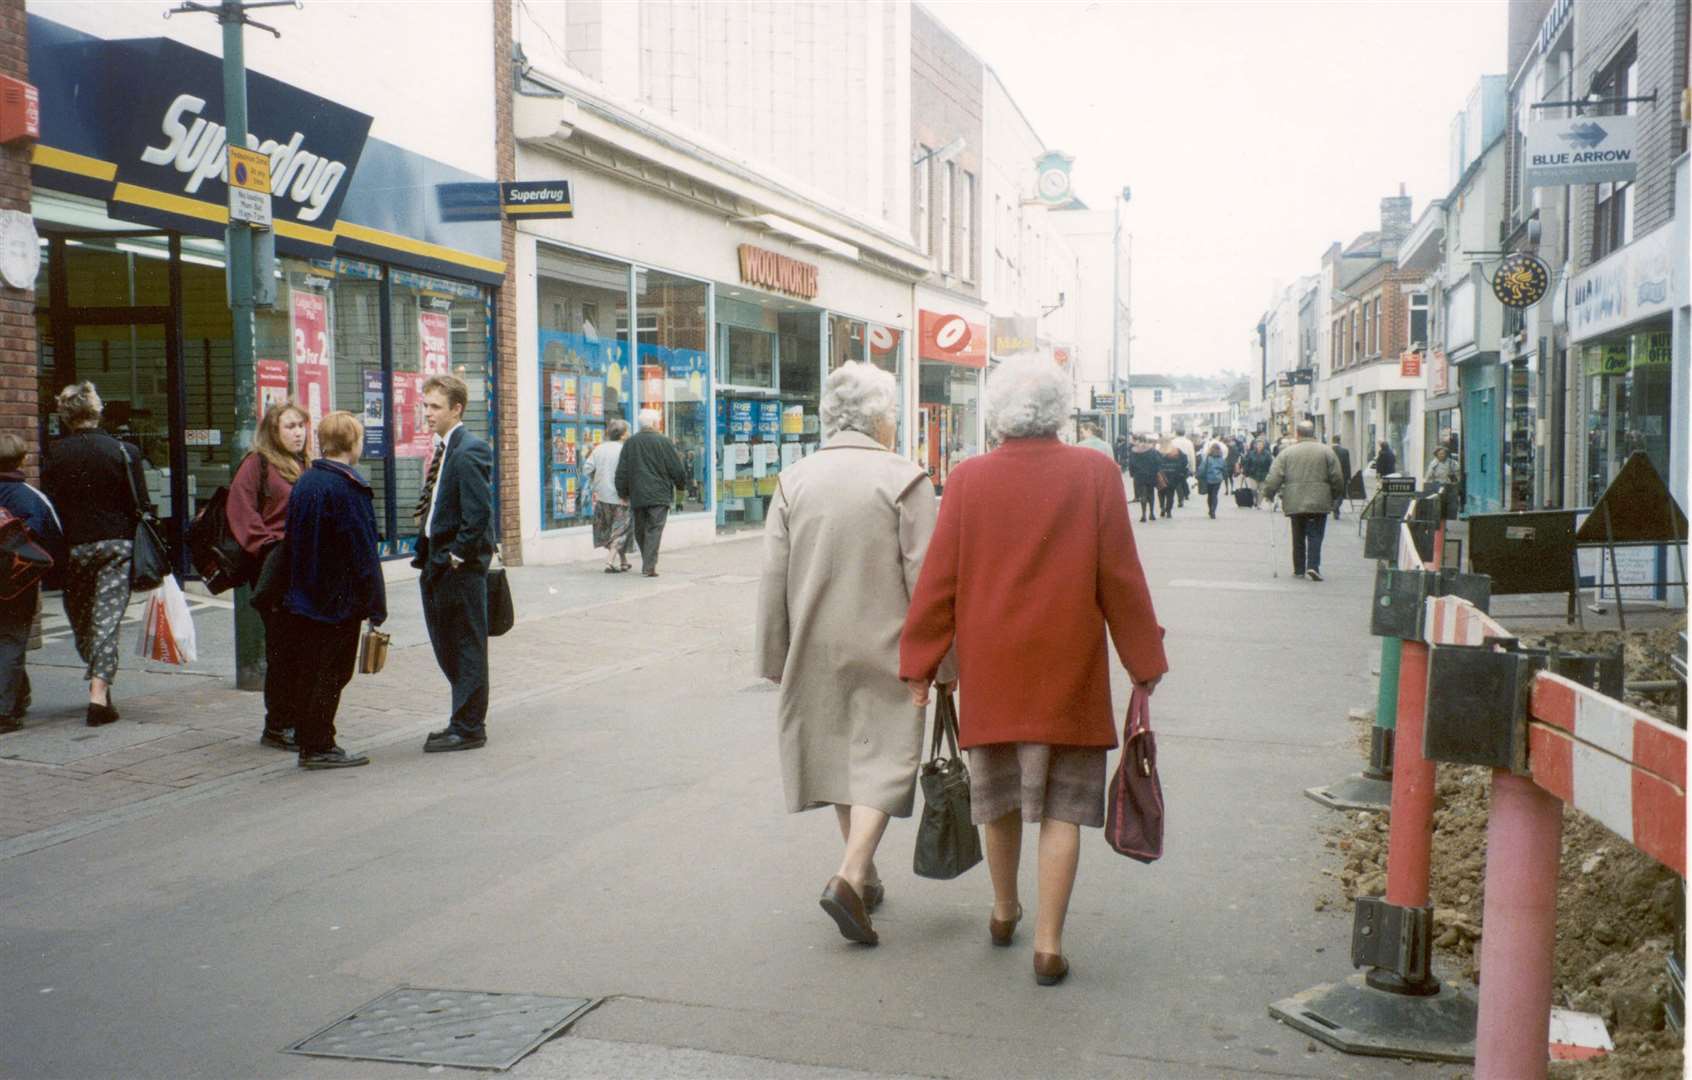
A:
x: 176, y: 901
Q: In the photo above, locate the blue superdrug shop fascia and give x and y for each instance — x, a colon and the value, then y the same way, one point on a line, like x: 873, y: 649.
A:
x: 138, y: 124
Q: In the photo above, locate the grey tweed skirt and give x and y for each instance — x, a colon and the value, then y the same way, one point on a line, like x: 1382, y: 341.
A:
x: 1064, y: 783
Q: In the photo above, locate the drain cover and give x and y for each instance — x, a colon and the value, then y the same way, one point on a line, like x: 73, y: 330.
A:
x: 467, y: 1028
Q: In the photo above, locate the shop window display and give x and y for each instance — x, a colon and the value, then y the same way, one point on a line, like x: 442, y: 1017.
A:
x: 586, y: 378
x: 948, y: 419
x: 438, y: 327
x: 672, y: 358
x: 1628, y: 403
x: 767, y: 420
x: 855, y: 340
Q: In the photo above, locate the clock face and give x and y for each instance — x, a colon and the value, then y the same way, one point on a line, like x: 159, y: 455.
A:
x: 1521, y: 280
x: 1054, y: 183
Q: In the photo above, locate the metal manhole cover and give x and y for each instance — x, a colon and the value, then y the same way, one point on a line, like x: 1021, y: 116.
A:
x: 466, y: 1028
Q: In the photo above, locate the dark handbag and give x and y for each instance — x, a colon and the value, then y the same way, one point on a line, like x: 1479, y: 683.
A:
x: 502, y: 616
x: 1134, y: 816
x: 274, y: 576
x: 947, y: 841
x: 149, y: 559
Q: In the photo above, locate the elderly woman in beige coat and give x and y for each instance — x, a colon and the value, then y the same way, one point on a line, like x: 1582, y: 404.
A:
x: 844, y: 541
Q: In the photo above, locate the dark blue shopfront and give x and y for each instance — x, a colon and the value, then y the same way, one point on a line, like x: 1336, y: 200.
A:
x: 376, y: 289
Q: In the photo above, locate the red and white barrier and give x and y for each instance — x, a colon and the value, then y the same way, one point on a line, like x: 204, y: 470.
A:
x: 1451, y: 620
x: 1609, y: 760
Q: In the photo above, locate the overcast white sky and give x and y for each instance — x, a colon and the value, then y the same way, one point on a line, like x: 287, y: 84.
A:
x: 1252, y: 134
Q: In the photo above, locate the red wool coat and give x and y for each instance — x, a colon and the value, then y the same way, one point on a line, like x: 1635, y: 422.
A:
x: 1031, y: 560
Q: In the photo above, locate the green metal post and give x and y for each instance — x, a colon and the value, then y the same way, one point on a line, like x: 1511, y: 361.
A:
x: 1386, y: 701
x: 249, y: 629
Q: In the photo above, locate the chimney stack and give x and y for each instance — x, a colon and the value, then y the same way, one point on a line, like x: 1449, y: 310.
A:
x: 1395, y: 217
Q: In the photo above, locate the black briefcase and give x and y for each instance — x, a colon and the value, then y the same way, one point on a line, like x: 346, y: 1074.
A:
x: 501, y: 615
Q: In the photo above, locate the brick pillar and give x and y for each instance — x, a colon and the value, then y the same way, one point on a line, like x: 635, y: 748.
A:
x: 511, y: 473
x: 17, y: 307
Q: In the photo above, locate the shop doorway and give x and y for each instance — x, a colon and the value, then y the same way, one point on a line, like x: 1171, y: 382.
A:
x: 1483, y: 474
x: 111, y: 309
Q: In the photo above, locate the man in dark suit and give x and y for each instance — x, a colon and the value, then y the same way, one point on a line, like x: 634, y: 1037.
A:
x: 1344, y: 456
x: 455, y: 544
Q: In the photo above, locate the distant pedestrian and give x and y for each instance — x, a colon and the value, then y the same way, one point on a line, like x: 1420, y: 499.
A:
x: 1123, y: 448
x: 1143, y: 467
x: 1213, y: 468
x: 258, y: 517
x: 612, y: 522
x: 1307, y: 477
x: 96, y: 483
x: 1172, y: 475
x: 1093, y: 439
x: 1235, y: 450
x: 850, y: 737
x: 1255, y: 464
x: 1190, y: 452
x: 455, y: 545
x: 1386, y: 462
x: 334, y: 584
x: 1025, y: 598
x: 17, y: 614
x: 1344, y: 456
x: 1443, y: 468
x: 648, y: 474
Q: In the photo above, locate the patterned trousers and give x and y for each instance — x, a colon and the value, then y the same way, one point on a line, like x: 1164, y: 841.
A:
x: 96, y: 595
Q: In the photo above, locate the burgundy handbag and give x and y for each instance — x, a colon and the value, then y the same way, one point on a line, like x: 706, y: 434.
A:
x: 1134, y: 816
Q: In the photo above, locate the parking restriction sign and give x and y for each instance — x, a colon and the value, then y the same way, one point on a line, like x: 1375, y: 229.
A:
x: 249, y: 186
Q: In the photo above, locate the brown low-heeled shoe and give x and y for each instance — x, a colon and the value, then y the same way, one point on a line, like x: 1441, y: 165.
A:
x: 844, y: 906
x: 1003, y: 931
x: 1050, y: 968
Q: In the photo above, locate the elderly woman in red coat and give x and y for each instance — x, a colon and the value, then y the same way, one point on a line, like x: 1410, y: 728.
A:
x: 1031, y: 561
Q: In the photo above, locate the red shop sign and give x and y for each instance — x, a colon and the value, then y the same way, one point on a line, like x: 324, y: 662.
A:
x: 951, y: 339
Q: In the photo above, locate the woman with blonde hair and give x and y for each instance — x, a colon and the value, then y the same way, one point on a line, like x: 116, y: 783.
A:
x: 1032, y: 561
x: 258, y: 516
x: 843, y: 544
x: 96, y: 482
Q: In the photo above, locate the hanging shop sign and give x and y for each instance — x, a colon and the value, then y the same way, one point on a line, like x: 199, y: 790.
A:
x: 778, y: 273
x: 1439, y: 373
x: 536, y: 199
x: 949, y: 338
x: 1062, y: 355
x: 1298, y: 377
x: 1104, y: 402
x: 1635, y: 283
x: 1581, y: 150
x: 1521, y: 280
x: 1410, y: 365
x: 1015, y: 334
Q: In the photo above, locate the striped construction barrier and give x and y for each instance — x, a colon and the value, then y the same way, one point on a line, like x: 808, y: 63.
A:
x: 1622, y: 767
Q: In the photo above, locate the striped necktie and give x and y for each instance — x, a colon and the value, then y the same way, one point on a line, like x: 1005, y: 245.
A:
x: 421, y: 514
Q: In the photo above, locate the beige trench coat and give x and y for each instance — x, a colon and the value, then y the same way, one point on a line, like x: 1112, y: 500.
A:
x: 843, y: 544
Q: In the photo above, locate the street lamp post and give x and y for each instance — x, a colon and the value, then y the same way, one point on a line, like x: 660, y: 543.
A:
x: 1116, y: 303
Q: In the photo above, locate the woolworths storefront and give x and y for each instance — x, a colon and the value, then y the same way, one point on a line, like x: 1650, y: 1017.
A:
x: 375, y: 291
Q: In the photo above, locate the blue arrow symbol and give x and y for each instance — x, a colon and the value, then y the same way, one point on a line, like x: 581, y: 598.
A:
x: 1586, y: 135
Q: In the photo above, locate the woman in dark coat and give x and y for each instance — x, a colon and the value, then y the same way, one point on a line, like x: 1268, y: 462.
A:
x: 96, y: 483
x: 1142, y: 468
x: 1386, y: 462
x: 1173, y: 470
x: 1032, y: 560
x: 334, y: 584
x: 1255, y: 464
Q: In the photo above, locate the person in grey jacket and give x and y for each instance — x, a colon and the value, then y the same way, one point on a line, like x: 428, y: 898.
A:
x: 611, y: 526
x: 648, y: 474
x: 1307, y: 476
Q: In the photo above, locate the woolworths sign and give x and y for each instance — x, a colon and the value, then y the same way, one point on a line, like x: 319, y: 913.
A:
x: 1581, y: 150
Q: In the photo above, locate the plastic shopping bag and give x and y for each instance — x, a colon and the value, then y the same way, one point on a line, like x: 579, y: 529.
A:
x: 167, y: 626
x: 149, y: 625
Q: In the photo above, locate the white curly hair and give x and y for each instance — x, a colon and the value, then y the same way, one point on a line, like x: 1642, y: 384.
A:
x: 1029, y: 397
x: 859, y: 397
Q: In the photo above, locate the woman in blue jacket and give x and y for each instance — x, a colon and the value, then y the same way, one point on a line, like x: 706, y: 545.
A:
x: 334, y: 584
x: 1213, y: 467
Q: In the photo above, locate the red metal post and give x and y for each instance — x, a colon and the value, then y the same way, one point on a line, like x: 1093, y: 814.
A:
x: 1410, y: 836
x: 1524, y: 841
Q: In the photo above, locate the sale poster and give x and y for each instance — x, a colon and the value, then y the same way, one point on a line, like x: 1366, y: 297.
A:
x: 309, y: 315
x: 793, y: 420
x: 652, y: 387
x: 596, y: 400
x: 375, y: 416
x: 412, y: 437
x: 741, y: 422
x: 434, y: 332
x: 271, y: 377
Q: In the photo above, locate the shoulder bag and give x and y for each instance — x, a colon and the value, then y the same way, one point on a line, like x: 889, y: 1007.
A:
x: 149, y: 560
x: 1134, y: 817
x: 502, y: 614
x: 948, y: 843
